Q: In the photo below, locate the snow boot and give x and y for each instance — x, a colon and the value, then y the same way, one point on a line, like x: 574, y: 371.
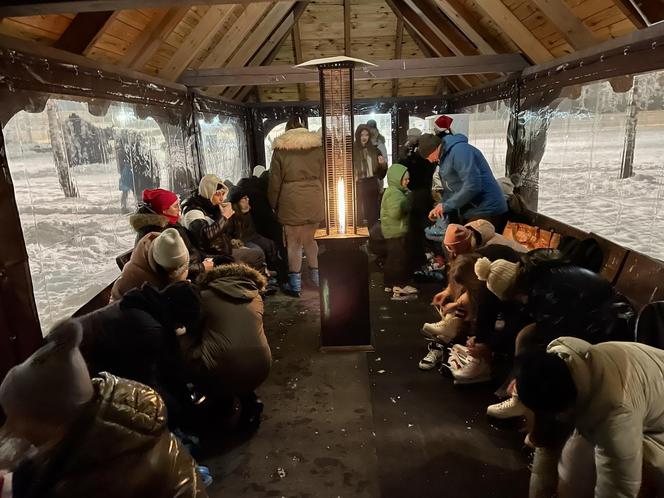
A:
x: 294, y: 285
x: 315, y: 277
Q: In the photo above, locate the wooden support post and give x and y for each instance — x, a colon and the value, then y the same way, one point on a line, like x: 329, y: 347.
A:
x: 397, y: 54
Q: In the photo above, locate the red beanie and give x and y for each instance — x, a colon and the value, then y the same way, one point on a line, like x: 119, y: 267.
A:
x: 159, y: 199
x: 458, y: 239
x: 443, y: 122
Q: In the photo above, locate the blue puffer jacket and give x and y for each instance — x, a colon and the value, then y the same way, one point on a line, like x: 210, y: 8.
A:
x: 469, y: 184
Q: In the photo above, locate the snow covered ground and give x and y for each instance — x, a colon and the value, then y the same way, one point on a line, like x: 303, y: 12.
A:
x: 71, y: 243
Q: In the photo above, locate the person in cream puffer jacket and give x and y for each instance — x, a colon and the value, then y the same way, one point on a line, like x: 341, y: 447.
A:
x: 612, y: 394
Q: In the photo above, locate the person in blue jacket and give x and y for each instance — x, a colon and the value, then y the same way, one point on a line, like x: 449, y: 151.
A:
x: 470, y: 191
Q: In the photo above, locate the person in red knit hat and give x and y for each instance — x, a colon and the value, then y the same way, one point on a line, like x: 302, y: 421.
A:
x: 160, y: 210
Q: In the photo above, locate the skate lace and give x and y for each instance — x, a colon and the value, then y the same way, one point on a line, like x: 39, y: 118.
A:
x: 431, y: 356
x: 505, y: 404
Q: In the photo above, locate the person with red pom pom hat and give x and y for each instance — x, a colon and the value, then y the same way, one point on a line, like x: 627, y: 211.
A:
x: 470, y: 191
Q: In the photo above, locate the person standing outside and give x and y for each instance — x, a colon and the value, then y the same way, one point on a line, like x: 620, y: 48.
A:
x: 370, y: 170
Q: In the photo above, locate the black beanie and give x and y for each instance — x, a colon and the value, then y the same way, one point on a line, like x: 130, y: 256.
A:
x: 544, y: 382
x: 184, y: 303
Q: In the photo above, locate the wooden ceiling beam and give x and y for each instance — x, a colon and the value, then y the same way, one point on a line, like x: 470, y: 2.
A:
x: 19, y: 8
x: 297, y: 57
x: 458, y: 14
x: 83, y: 31
x: 347, y: 28
x: 631, y: 13
x: 258, y: 73
x: 151, y: 38
x: 260, y: 37
x: 398, y: 45
x: 515, y: 29
x: 198, y: 39
x: 236, y: 35
x: 571, y: 27
x: 439, y: 23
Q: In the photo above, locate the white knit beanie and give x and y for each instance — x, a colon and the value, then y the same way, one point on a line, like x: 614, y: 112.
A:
x: 53, y: 383
x: 500, y: 276
x: 208, y: 186
x: 259, y: 170
x: 170, y: 252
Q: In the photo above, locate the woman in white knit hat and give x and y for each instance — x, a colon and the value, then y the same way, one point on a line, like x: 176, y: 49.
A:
x: 158, y: 258
x: 560, y: 299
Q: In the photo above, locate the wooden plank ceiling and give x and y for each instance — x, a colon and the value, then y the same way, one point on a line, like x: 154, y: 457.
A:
x: 167, y: 41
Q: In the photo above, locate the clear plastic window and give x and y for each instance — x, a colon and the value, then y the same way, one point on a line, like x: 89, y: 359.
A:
x: 278, y: 130
x: 224, y: 147
x: 76, y: 177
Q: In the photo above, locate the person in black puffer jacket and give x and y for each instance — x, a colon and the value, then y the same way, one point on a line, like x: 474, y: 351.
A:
x: 206, y: 216
x: 136, y: 338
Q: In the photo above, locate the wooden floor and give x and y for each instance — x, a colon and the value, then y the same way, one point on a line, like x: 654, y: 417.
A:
x: 367, y: 425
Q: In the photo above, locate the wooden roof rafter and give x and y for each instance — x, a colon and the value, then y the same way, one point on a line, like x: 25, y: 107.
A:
x: 155, y: 33
x: 259, y: 38
x: 563, y: 18
x: 84, y: 30
x: 297, y: 57
x: 458, y: 14
x: 266, y: 55
x: 197, y: 40
x: 514, y: 28
x: 427, y: 40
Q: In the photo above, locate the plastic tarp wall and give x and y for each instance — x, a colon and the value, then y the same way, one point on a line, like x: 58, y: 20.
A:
x: 602, y: 160
x: 81, y: 145
x: 223, y: 134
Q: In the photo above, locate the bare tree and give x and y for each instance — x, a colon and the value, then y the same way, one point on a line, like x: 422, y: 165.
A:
x: 59, y: 151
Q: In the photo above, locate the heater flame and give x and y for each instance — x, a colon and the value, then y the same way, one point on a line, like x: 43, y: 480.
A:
x: 341, y: 206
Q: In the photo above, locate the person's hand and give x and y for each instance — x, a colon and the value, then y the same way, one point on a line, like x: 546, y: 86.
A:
x: 208, y: 264
x: 450, y: 308
x: 439, y: 298
x: 381, y: 160
x: 477, y: 349
x: 226, y: 210
x: 436, y: 212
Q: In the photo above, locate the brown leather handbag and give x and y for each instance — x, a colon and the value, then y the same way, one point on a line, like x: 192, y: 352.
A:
x: 531, y: 237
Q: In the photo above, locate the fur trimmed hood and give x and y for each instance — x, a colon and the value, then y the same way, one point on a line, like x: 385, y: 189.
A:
x: 234, y: 280
x: 297, y: 139
x: 139, y: 220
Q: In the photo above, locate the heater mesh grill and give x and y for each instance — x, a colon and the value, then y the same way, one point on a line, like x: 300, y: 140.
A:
x: 337, y: 99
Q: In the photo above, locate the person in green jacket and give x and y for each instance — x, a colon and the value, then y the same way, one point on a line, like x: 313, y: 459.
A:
x: 394, y: 223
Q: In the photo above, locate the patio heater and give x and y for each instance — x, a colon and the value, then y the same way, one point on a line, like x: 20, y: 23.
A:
x: 343, y: 266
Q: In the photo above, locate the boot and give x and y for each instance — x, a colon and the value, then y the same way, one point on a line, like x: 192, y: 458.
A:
x: 294, y: 285
x: 315, y: 277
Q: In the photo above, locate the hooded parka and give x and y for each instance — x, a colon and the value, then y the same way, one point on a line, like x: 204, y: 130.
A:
x: 488, y: 236
x: 232, y: 355
x: 297, y: 176
x: 119, y: 447
x: 394, y: 206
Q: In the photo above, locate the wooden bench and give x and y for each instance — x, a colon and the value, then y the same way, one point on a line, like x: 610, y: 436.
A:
x: 641, y: 279
x: 614, y: 258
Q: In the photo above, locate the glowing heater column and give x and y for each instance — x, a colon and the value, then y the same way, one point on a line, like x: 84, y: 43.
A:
x: 344, y: 267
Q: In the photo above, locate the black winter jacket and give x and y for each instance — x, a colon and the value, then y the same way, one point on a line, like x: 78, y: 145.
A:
x: 135, y: 338
x: 207, y: 225
x: 265, y: 220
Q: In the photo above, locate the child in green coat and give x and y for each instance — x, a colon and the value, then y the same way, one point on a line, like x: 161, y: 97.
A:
x: 394, y: 223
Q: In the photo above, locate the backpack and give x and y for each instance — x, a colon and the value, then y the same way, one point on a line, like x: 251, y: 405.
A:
x: 585, y: 253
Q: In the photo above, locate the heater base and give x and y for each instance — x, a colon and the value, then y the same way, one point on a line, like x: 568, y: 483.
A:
x: 344, y: 295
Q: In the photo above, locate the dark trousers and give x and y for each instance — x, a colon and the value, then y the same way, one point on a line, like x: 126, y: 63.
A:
x: 368, y: 200
x: 397, y: 266
x: 418, y: 220
x: 269, y: 248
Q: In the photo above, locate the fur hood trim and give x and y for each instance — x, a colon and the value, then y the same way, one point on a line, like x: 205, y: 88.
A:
x: 139, y: 221
x: 297, y: 139
x: 233, y: 270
